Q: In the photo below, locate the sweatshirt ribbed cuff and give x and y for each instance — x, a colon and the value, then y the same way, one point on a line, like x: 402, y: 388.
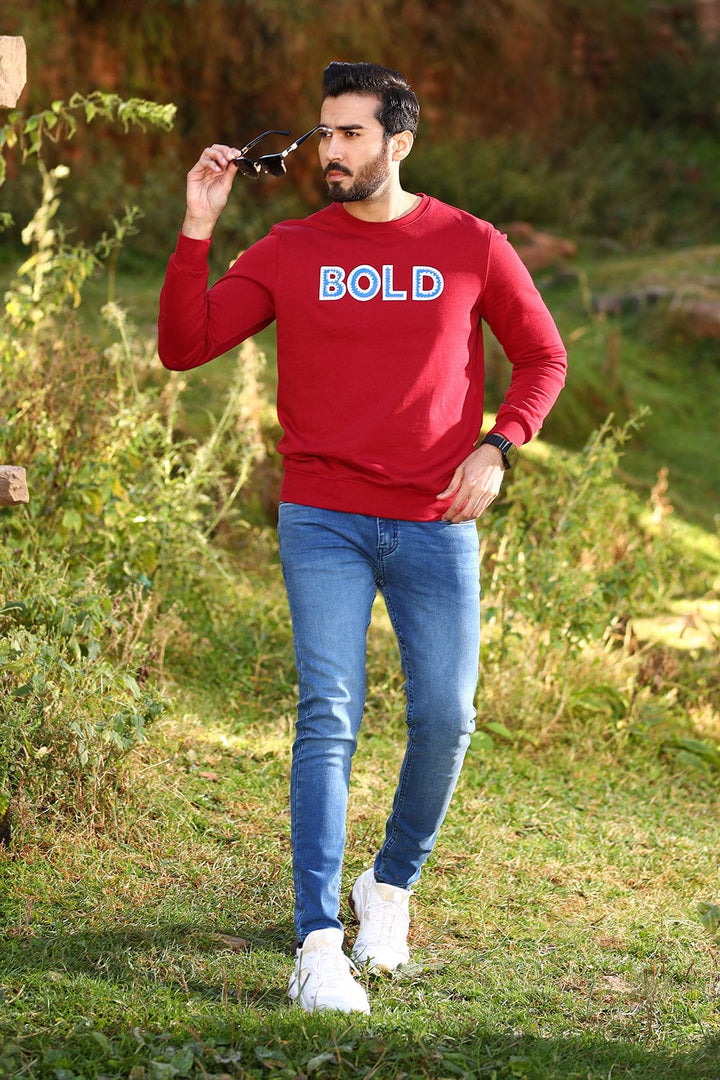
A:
x: 192, y: 254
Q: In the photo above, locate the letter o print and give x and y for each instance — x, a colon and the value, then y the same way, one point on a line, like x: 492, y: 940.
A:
x: 356, y: 289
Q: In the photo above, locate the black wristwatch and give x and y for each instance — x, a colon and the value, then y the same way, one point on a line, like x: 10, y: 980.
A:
x: 508, y: 450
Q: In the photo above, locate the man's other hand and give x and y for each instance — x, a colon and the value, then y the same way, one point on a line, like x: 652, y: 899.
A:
x: 475, y: 485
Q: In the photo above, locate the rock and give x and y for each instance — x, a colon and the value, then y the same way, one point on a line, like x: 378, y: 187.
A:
x: 699, y: 318
x: 562, y: 278
x: 13, y: 70
x: 13, y: 485
x: 627, y: 303
x: 538, y: 250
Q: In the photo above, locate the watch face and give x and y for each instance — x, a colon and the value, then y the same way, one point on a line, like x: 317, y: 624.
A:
x: 511, y: 455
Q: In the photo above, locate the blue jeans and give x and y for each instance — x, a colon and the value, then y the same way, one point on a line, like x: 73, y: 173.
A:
x: 428, y: 573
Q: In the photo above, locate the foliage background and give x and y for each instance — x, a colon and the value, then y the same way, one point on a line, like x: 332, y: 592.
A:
x: 142, y: 494
x: 598, y: 117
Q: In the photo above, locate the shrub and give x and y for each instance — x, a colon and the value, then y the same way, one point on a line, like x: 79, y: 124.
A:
x: 114, y: 547
x: 117, y: 539
x: 68, y: 715
x: 508, y: 178
x: 574, y: 563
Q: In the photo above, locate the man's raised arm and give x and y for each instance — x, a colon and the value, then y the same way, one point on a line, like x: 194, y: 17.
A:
x: 195, y: 326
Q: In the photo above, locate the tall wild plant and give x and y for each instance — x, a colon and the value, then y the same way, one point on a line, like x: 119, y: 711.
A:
x: 95, y: 571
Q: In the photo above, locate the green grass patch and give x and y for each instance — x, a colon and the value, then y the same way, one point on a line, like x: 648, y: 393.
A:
x: 556, y: 933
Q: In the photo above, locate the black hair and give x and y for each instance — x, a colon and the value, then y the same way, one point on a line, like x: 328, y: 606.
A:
x: 399, y: 108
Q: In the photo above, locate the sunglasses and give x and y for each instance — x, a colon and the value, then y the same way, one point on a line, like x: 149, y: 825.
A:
x: 270, y: 163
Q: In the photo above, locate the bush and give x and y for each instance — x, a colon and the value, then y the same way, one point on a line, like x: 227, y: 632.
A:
x: 116, y: 543
x: 575, y: 563
x: 68, y: 715
x: 113, y: 549
x: 509, y: 178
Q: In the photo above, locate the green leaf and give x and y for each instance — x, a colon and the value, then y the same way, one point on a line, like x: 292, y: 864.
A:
x: 710, y: 916
x: 132, y: 685
x: 72, y: 521
x: 482, y: 741
x: 14, y: 605
x: 271, y: 1059
x: 702, y: 749
x: 695, y: 753
x: 320, y: 1059
x: 162, y: 1070
x: 693, y: 761
x: 500, y: 730
x: 183, y: 1061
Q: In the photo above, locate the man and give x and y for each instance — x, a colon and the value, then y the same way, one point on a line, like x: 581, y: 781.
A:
x: 379, y: 300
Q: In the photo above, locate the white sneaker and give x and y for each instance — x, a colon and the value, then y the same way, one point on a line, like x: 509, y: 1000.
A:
x: 323, y: 977
x: 383, y: 912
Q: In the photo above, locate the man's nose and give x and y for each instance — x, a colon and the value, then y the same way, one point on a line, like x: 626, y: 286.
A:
x: 332, y: 147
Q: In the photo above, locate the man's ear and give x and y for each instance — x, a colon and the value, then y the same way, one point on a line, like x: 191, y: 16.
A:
x: 402, y: 145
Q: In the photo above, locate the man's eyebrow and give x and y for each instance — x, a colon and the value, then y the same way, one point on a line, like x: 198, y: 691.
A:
x: 344, y: 127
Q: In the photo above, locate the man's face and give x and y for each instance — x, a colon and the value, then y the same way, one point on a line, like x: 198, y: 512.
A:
x: 354, y: 155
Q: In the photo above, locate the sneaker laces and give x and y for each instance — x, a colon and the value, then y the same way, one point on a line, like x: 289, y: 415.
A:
x: 330, y: 966
x: 389, y: 918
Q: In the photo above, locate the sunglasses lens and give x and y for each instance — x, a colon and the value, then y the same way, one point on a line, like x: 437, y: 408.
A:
x: 247, y: 167
x: 273, y: 164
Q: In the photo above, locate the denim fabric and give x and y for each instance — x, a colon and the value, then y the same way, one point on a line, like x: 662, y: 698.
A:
x: 428, y: 573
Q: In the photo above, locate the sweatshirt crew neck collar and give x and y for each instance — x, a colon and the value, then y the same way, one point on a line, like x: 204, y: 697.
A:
x: 362, y: 225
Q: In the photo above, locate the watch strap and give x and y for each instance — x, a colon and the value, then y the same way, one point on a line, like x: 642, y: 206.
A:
x: 508, y: 449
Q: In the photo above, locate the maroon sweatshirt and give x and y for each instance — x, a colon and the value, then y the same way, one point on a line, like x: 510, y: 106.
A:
x: 380, y: 347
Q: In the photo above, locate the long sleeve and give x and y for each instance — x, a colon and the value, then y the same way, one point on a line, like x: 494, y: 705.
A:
x: 517, y: 315
x: 379, y: 347
x: 196, y: 324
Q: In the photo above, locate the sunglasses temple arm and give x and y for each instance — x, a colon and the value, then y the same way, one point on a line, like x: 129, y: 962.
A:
x: 257, y: 139
x: 301, y: 140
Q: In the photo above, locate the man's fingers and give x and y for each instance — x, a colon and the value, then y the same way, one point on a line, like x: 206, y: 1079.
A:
x: 474, y: 486
x: 468, y: 504
x: 217, y: 157
x: 452, y: 486
x: 458, y: 509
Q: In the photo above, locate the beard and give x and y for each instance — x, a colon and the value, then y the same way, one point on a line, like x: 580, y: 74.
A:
x: 366, y: 180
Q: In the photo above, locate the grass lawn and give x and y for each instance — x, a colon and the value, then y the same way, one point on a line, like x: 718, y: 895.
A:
x: 556, y: 932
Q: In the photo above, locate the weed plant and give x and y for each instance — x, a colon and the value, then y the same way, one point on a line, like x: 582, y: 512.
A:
x: 572, y: 564
x: 117, y: 538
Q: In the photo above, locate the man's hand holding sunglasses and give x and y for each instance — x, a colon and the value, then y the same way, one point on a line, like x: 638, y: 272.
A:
x: 211, y: 178
x: 208, y: 186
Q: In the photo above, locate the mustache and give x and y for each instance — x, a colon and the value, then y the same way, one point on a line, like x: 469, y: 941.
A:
x: 336, y: 168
